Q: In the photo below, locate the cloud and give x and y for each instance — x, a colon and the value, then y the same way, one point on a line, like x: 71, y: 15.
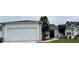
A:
x: 52, y: 19
x: 12, y: 18
x: 62, y: 19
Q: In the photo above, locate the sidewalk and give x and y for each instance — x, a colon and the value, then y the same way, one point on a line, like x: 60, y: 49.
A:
x: 48, y: 41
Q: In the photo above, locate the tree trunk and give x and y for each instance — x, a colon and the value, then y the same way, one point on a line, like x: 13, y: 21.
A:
x: 43, y: 35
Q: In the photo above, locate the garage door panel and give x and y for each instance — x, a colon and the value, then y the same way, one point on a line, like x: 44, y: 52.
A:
x: 21, y: 34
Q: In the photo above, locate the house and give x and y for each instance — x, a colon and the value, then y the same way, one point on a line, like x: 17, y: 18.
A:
x: 24, y: 30
x: 72, y: 29
x: 54, y: 32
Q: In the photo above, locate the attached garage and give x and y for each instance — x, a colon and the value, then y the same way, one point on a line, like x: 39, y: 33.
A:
x: 20, y: 31
x: 21, y: 34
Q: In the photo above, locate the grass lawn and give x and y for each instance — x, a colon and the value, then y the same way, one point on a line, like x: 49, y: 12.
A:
x: 66, y: 41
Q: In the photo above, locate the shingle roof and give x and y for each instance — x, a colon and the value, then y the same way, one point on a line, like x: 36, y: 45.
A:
x: 72, y: 23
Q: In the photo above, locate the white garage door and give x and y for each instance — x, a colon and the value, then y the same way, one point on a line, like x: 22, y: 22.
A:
x: 21, y: 34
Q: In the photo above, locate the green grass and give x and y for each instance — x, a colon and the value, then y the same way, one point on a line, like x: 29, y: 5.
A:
x: 66, y: 41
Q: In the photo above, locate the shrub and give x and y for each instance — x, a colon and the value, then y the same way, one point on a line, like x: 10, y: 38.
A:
x: 77, y: 36
x: 60, y: 37
x: 65, y: 37
x: 69, y: 37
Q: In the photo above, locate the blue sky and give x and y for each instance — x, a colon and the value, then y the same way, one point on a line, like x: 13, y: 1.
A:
x: 52, y: 19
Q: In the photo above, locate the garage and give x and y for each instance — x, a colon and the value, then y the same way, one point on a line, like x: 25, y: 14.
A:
x: 21, y: 34
x: 22, y: 31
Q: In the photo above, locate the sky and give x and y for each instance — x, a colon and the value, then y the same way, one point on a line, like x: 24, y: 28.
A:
x: 52, y: 19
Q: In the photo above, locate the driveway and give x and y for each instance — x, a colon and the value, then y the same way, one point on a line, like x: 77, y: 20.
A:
x: 48, y: 41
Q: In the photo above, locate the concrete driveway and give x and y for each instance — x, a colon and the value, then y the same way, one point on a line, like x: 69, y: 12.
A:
x: 48, y: 41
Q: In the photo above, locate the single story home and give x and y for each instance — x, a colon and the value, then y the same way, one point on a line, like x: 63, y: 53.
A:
x: 24, y: 30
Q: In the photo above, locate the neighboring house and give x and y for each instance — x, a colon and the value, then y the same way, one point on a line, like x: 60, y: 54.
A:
x: 54, y: 32
x: 25, y: 30
x: 72, y: 29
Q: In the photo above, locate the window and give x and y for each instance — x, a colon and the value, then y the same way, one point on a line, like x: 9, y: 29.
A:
x: 68, y: 33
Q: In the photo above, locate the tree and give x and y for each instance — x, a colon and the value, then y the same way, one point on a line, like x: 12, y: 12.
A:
x: 45, y: 26
x: 62, y: 28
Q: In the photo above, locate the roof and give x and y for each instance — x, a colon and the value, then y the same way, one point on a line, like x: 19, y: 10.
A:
x: 53, y: 27
x: 20, y: 21
x: 72, y: 23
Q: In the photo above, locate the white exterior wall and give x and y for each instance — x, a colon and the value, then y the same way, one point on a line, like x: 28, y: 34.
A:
x: 57, y: 34
x: 27, y: 25
x: 69, y: 30
x: 40, y: 32
x: 73, y: 33
x: 0, y: 34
